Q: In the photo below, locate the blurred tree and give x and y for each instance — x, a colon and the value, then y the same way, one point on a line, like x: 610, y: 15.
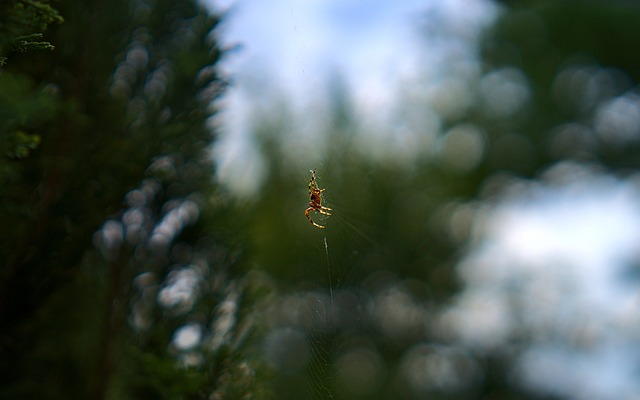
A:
x: 121, y: 274
x: 571, y: 60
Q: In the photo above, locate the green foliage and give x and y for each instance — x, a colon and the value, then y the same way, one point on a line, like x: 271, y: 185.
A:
x: 18, y: 21
x: 22, y: 109
x: 543, y: 39
x: 26, y: 43
x: 22, y: 144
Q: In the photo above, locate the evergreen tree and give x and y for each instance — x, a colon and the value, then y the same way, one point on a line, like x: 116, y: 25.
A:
x: 115, y: 240
x: 20, y: 22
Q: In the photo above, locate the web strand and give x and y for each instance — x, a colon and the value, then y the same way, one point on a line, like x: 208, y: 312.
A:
x: 326, y: 250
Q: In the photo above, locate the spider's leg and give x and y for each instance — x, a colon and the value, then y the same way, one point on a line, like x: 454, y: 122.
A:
x: 306, y: 212
x: 322, y: 210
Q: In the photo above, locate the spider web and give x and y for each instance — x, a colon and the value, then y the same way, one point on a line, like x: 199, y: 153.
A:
x: 327, y: 309
x: 323, y: 311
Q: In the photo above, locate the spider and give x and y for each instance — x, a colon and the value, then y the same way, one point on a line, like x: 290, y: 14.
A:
x: 315, y: 197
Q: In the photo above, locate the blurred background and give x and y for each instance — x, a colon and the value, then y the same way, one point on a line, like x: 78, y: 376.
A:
x: 481, y: 159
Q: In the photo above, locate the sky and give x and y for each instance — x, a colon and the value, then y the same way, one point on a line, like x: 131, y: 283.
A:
x: 296, y: 51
